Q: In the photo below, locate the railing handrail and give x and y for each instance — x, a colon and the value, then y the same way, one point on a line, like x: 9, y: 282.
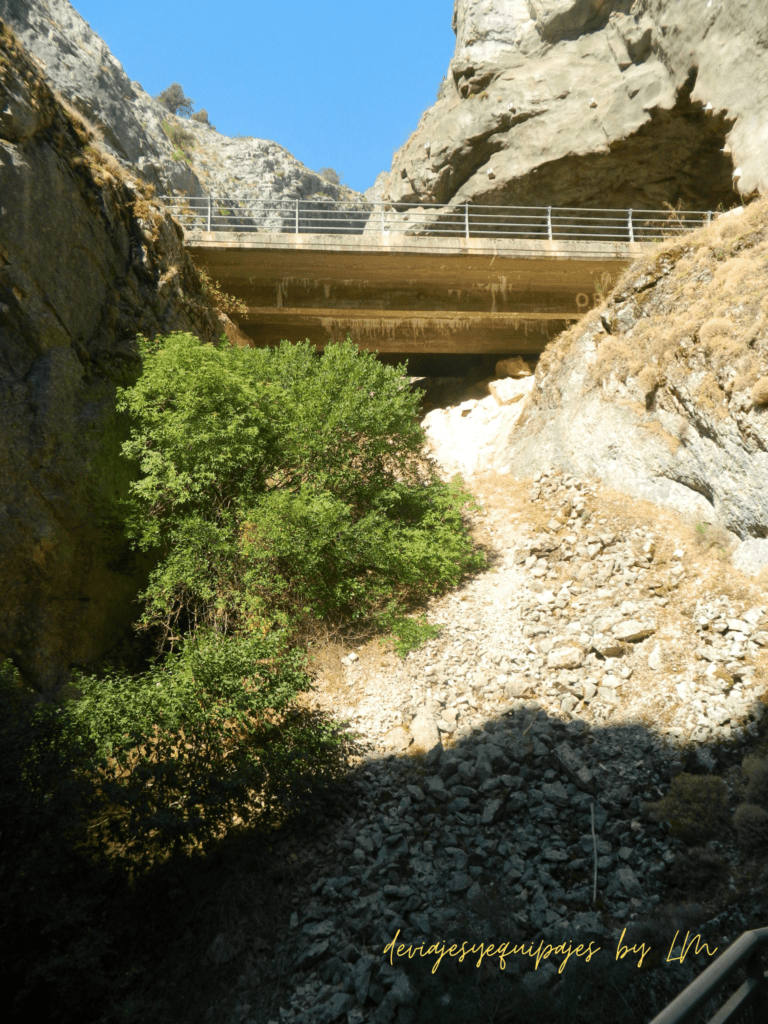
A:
x: 346, y: 204
x: 471, y: 220
x: 744, y: 952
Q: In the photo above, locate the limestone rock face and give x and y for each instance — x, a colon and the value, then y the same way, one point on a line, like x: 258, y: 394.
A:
x: 595, y: 103
x: 652, y: 393
x: 79, y: 64
x: 88, y: 259
x: 465, y: 438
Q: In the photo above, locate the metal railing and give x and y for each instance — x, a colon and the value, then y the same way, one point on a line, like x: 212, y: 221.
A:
x: 468, y: 220
x: 748, y: 1005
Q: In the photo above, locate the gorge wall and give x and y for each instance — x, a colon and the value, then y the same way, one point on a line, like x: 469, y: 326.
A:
x: 78, y: 63
x: 662, y: 392
x: 595, y: 103
x: 88, y: 259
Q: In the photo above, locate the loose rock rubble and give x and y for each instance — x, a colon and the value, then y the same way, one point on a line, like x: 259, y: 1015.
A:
x: 573, y: 615
x: 506, y: 764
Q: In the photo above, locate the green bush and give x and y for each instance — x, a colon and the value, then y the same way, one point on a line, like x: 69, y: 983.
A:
x: 276, y: 489
x: 187, y: 747
x: 410, y: 631
x: 174, y: 100
x: 696, y: 808
x: 751, y: 824
x: 284, y: 488
x: 183, y: 140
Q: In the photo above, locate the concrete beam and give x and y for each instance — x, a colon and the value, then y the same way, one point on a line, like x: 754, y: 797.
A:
x: 409, y: 293
x: 407, y: 330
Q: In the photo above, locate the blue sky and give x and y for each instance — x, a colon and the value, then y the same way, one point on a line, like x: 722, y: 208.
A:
x: 338, y: 84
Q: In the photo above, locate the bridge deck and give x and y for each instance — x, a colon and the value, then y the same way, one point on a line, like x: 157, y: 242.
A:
x: 405, y: 293
x: 423, y: 245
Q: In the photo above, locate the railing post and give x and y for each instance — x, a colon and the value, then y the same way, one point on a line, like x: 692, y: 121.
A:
x: 297, y: 216
x: 210, y: 203
x: 630, y: 226
x: 549, y: 223
x: 466, y: 220
x: 709, y: 216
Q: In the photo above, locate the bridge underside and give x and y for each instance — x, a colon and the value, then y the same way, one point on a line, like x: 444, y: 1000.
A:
x: 409, y: 294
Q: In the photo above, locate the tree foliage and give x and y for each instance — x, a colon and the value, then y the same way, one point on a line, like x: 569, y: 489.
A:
x: 282, y: 486
x: 277, y: 489
x: 197, y: 742
x: 174, y: 100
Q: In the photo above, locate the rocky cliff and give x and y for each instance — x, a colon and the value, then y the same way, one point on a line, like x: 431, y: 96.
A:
x: 88, y: 259
x: 663, y: 391
x: 172, y: 153
x: 595, y: 103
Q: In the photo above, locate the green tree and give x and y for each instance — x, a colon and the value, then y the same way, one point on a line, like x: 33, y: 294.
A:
x: 284, y: 488
x: 174, y: 100
x: 277, y: 488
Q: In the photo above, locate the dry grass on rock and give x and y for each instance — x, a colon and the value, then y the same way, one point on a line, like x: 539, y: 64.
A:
x: 698, y: 313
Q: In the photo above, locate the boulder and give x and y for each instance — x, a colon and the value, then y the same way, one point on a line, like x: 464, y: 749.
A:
x: 424, y: 732
x: 632, y: 631
x: 513, y: 366
x: 397, y: 738
x: 464, y: 438
x: 508, y: 391
x: 565, y: 657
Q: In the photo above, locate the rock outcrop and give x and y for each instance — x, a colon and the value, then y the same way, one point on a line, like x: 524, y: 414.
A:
x: 659, y: 392
x: 463, y: 438
x: 174, y: 154
x: 88, y: 260
x: 595, y: 103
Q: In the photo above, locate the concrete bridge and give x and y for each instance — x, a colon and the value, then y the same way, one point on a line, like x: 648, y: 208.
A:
x: 467, y: 279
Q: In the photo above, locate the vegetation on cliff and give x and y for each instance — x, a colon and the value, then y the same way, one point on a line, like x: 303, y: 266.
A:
x: 278, y: 492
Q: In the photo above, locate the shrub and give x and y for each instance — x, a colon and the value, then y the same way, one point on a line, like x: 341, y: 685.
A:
x: 220, y: 300
x: 713, y: 537
x: 174, y: 100
x: 276, y: 487
x: 751, y: 824
x: 186, y: 748
x: 283, y: 488
x: 182, y: 139
x: 328, y: 174
x: 698, y: 871
x: 201, y: 116
x: 410, y: 632
x: 696, y: 808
